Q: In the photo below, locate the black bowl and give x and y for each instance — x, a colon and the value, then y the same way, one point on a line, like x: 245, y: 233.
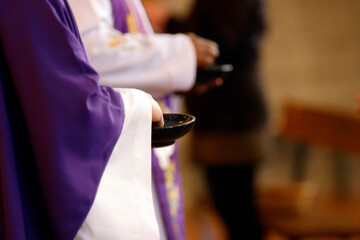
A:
x: 214, y: 71
x: 176, y: 125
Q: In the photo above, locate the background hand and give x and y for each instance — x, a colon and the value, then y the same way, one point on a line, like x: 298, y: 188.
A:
x: 202, y: 88
x: 206, y: 50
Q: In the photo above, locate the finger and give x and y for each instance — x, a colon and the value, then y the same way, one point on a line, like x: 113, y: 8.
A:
x: 205, y: 45
x: 157, y: 115
x: 159, y: 123
x: 211, y: 48
x: 205, y: 87
x: 218, y: 82
x: 205, y: 61
x: 191, y: 35
x: 200, y: 89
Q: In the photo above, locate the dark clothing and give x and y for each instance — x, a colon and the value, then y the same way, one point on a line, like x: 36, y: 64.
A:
x: 235, y: 185
x: 230, y: 119
x: 237, y: 26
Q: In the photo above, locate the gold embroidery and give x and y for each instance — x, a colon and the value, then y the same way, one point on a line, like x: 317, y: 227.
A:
x: 173, y: 193
x: 115, y: 42
x: 131, y: 23
x: 173, y: 196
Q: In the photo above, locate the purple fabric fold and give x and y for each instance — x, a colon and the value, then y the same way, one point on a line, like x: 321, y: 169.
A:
x: 167, y: 182
x: 58, y: 127
x: 170, y: 194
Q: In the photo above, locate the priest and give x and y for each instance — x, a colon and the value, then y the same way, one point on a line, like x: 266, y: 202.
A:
x: 69, y: 148
x: 123, y: 48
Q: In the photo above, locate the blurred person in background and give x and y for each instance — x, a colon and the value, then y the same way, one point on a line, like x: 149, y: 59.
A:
x: 123, y: 48
x: 231, y: 119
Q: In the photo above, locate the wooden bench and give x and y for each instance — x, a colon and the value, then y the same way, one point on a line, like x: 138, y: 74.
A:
x: 309, y: 126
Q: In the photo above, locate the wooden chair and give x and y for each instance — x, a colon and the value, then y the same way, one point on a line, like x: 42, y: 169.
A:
x: 317, y: 126
x: 309, y: 126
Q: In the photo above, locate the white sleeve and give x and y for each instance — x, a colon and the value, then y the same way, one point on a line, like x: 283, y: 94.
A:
x: 123, y: 207
x: 155, y: 63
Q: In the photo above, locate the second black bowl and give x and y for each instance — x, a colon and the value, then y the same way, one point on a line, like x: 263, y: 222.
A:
x: 214, y: 71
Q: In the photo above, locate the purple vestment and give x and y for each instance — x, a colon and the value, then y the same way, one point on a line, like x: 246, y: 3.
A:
x: 123, y: 9
x: 167, y: 181
x: 57, y: 126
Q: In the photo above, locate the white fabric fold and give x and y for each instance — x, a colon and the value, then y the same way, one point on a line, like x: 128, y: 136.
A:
x: 124, y: 204
x: 155, y: 63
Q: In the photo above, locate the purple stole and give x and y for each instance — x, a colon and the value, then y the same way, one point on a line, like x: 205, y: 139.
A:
x: 126, y: 17
x: 167, y: 182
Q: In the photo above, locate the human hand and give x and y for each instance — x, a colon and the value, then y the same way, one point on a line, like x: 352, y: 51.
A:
x: 358, y: 99
x: 157, y: 114
x: 202, y: 88
x: 206, y: 50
